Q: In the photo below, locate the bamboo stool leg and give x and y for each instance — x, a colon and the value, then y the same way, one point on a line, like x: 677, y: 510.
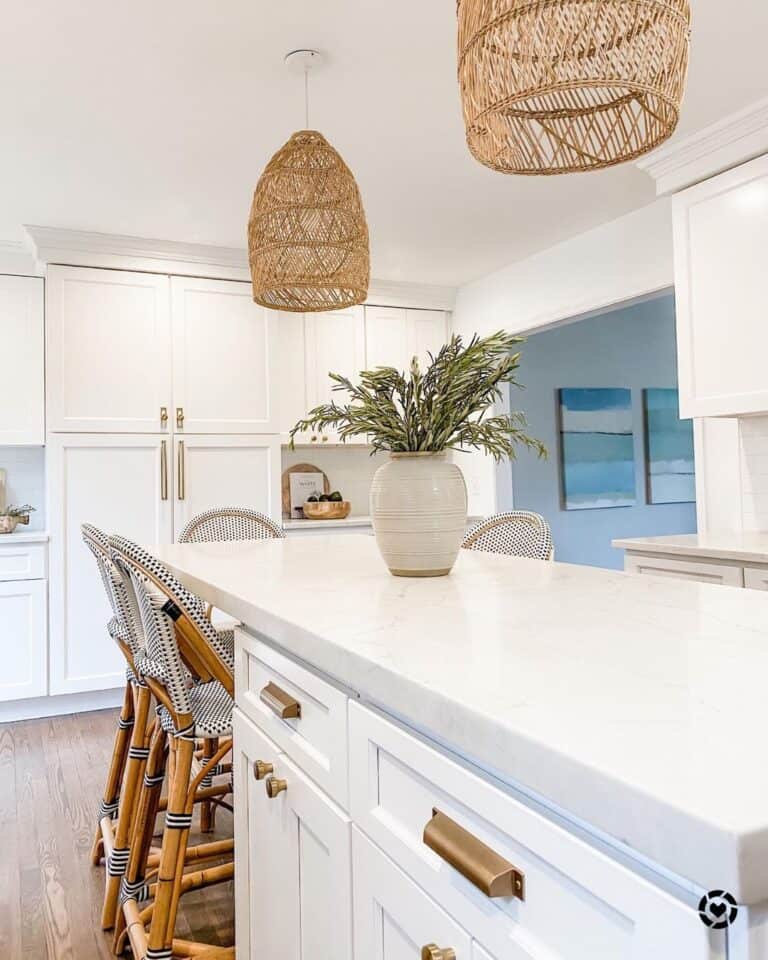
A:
x: 177, y: 824
x: 207, y: 809
x: 111, y: 797
x: 118, y: 857
x: 132, y: 887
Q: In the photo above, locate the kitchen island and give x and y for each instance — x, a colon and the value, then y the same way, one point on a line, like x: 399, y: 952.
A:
x: 523, y: 759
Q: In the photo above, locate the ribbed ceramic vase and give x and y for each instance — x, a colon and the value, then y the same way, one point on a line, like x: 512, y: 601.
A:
x: 419, y: 513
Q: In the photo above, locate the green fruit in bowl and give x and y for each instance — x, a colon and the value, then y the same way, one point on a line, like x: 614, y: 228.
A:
x: 312, y: 499
x: 324, y: 498
x: 336, y: 497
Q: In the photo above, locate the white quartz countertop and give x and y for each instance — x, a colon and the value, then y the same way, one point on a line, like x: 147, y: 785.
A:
x: 635, y: 704
x: 22, y: 535
x: 361, y: 521
x: 747, y: 547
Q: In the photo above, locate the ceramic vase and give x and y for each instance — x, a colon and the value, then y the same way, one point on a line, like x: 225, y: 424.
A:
x: 419, y: 513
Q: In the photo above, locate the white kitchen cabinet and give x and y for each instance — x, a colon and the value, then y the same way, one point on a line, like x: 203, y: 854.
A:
x: 23, y: 634
x: 335, y: 342
x: 395, y: 335
x: 108, y: 349
x: 293, y: 860
x: 122, y: 484
x: 685, y: 569
x: 222, y: 471
x: 223, y: 358
x: 721, y: 235
x: 22, y: 383
x: 291, y: 383
x: 393, y: 918
x: 756, y: 578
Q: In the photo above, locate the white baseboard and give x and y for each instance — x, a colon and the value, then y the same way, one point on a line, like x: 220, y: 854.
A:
x: 56, y: 706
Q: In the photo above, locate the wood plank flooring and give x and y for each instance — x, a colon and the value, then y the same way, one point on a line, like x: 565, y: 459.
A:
x: 51, y: 778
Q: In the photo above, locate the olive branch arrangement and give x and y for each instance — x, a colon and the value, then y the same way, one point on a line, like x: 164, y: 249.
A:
x: 442, y: 408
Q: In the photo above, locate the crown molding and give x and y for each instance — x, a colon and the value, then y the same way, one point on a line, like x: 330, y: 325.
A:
x: 16, y: 258
x: 82, y: 248
x: 737, y: 138
x: 89, y: 249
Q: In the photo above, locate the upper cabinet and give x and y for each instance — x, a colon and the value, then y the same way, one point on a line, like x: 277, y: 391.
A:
x: 394, y: 336
x: 22, y: 401
x: 222, y: 358
x: 108, y: 350
x: 721, y: 236
x: 142, y: 353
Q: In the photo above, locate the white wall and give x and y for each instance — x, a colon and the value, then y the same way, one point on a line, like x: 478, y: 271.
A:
x: 622, y: 260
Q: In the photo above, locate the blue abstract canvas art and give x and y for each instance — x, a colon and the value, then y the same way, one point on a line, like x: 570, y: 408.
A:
x: 597, y: 448
x: 670, y: 474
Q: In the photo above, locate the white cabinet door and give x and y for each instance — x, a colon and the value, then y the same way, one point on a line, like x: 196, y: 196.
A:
x: 22, y: 387
x: 393, y: 918
x: 428, y: 332
x: 387, y: 338
x: 108, y: 350
x: 223, y: 358
x: 335, y: 342
x: 394, y: 336
x: 756, y: 578
x: 290, y: 382
x: 226, y: 471
x: 293, y: 861
x: 23, y: 635
x: 721, y: 235
x: 122, y: 484
x: 684, y: 569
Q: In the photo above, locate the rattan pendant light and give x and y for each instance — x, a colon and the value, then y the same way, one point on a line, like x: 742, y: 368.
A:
x: 307, y: 232
x: 563, y: 86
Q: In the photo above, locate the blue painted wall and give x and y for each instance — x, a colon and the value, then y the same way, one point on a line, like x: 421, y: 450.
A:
x: 633, y: 347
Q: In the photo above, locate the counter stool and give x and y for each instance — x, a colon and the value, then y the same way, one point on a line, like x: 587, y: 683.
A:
x: 221, y: 524
x: 189, y: 670
x: 517, y: 533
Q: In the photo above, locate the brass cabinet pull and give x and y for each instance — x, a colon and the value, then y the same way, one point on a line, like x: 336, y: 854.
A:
x: 314, y: 438
x: 433, y: 952
x: 280, y: 702
x: 163, y: 469
x: 182, y: 486
x: 490, y: 873
x: 180, y: 417
x: 275, y: 787
x: 262, y: 769
x: 324, y: 438
x: 163, y: 417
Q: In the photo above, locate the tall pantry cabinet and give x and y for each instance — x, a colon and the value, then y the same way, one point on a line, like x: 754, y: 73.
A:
x: 148, y: 424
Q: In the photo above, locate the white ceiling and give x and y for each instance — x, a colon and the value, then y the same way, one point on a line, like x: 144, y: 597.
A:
x: 154, y: 119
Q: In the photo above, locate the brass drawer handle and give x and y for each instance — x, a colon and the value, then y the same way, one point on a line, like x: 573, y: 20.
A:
x: 433, y: 952
x: 163, y: 469
x: 490, y: 873
x: 262, y: 769
x: 279, y: 702
x: 180, y: 418
x: 275, y: 787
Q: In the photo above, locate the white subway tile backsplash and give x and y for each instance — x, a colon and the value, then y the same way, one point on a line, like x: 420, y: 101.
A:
x: 753, y: 432
x: 25, y: 467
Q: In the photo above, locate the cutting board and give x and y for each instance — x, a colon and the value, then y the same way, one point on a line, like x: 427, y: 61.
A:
x: 286, y: 483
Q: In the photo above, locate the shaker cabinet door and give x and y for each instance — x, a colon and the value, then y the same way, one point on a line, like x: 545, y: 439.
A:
x: 122, y: 484
x: 394, y: 919
x: 223, y: 358
x: 335, y: 343
x: 108, y: 350
x: 293, y: 860
x: 23, y: 635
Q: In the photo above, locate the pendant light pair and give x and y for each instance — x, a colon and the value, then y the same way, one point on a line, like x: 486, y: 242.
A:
x: 563, y: 86
x: 307, y: 232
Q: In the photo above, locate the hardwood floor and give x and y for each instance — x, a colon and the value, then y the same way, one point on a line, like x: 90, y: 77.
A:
x: 51, y: 777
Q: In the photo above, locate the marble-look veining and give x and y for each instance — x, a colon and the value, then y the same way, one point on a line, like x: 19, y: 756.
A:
x: 746, y: 547
x: 636, y: 704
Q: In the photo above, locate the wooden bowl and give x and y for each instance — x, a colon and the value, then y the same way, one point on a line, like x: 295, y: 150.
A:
x: 327, y: 510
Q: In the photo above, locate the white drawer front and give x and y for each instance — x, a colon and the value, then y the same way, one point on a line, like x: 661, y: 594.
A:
x: 685, y: 569
x: 579, y: 904
x: 317, y: 739
x: 22, y: 561
x: 756, y: 578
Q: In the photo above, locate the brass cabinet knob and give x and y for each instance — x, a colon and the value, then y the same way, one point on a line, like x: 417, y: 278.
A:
x: 433, y: 952
x: 164, y: 417
x: 324, y: 439
x: 314, y: 438
x: 275, y: 787
x: 262, y: 769
x: 180, y: 417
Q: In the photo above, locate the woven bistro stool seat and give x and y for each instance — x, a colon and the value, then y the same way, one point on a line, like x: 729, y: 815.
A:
x: 211, y: 708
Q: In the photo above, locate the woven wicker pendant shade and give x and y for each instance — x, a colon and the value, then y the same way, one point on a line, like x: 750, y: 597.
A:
x: 562, y: 86
x: 307, y: 233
